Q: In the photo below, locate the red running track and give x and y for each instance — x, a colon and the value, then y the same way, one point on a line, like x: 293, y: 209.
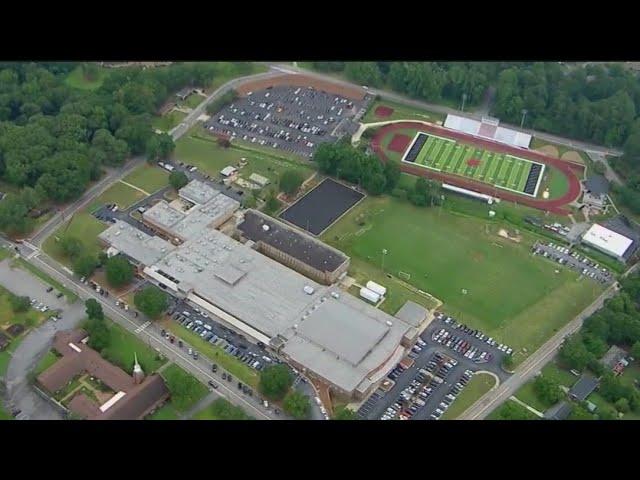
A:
x: 554, y: 205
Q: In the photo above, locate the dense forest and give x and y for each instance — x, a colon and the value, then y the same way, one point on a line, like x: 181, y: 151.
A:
x: 55, y: 139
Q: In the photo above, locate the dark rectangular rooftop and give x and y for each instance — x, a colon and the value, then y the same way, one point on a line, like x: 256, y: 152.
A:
x: 597, y: 184
x: 583, y: 387
x: 291, y: 241
x: 620, y: 224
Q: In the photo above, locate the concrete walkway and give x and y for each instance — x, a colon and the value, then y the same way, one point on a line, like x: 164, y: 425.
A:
x: 527, y: 406
x: 135, y: 188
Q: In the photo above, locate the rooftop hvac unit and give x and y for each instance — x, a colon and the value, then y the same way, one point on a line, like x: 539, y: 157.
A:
x: 389, y: 323
x: 308, y: 289
x: 265, y: 228
x: 335, y: 294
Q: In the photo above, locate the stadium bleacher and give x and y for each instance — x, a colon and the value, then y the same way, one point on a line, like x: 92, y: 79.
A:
x: 532, y: 179
x: 412, y: 153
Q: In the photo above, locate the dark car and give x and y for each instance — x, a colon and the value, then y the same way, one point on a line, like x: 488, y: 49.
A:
x: 59, y: 295
x: 213, y: 385
x: 214, y: 367
x: 49, y: 289
x: 229, y: 378
x: 239, y: 385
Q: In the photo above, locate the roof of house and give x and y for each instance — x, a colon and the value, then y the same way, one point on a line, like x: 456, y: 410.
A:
x: 131, y: 402
x: 613, y: 356
x: 583, y: 387
x: 291, y: 241
x: 184, y: 92
x: 559, y: 411
x: 597, y: 184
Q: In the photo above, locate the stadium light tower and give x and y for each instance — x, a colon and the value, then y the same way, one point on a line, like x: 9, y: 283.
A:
x: 524, y: 115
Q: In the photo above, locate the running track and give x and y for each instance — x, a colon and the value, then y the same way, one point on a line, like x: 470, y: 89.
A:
x: 554, y: 206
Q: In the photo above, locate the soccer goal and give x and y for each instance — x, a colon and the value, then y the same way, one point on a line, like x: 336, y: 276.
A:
x: 404, y: 275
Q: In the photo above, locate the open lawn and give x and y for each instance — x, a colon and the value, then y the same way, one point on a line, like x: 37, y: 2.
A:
x: 168, y: 121
x: 522, y: 413
x: 45, y: 362
x: 210, y: 158
x: 479, y: 384
x: 511, y: 295
x: 166, y: 412
x: 83, y: 226
x: 148, y: 177
x: 124, y: 345
x: 119, y: 193
x: 221, y: 409
x: 400, y: 112
x: 230, y: 363
x: 4, y: 415
x: 29, y: 319
x: 194, y: 100
x: 76, y: 79
x: 21, y: 262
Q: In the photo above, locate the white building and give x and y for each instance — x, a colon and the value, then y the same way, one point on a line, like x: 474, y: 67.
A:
x: 607, y: 241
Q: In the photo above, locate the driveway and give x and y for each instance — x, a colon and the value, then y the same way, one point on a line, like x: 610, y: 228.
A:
x: 20, y: 394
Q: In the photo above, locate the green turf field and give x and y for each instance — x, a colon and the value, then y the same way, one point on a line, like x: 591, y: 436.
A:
x: 498, y: 169
x: 511, y: 295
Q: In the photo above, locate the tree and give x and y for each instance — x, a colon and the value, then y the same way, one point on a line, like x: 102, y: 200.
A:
x: 635, y: 351
x: 507, y: 362
x: 20, y: 304
x: 223, y: 410
x: 392, y: 174
x: 71, y: 247
x: 275, y: 381
x: 159, y: 147
x: 547, y: 390
x: 574, y: 354
x: 178, y: 179
x: 99, y: 333
x: 14, y: 215
x: 119, y: 271
x: 272, y: 204
x: 605, y: 412
x: 94, y: 309
x: 512, y: 411
x: 419, y: 196
x: 297, y: 405
x: 344, y: 413
x: 185, y: 389
x: 151, y: 301
x: 85, y: 264
x: 290, y: 181
x: 580, y: 412
x: 622, y: 405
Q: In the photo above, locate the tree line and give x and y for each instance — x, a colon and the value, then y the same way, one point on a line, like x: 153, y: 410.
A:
x: 55, y: 139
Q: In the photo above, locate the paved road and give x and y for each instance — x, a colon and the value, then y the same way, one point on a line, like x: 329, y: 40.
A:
x: 609, y: 173
x: 588, y: 147
x: 19, y: 393
x: 536, y: 361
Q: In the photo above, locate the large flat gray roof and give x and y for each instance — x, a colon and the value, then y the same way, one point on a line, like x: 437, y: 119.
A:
x: 412, y: 313
x: 135, y: 243
x: 163, y: 214
x: 198, y: 192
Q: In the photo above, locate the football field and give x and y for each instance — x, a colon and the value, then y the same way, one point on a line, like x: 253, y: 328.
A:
x: 498, y: 169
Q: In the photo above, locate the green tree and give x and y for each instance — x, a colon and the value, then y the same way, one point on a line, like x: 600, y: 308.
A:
x: 580, y: 412
x: 185, y: 389
x: 512, y: 411
x: 20, y: 304
x: 635, y: 351
x: 297, y: 405
x: 223, y: 410
x: 94, y: 309
x: 507, y: 362
x: 605, y: 412
x: 178, y: 179
x: 547, y: 390
x: 622, y: 405
x: 290, y: 181
x: 272, y: 204
x: 119, y: 271
x: 275, y: 381
x: 159, y: 147
x: 85, y: 264
x: 344, y: 413
x: 71, y: 247
x: 99, y: 333
x: 574, y: 354
x: 392, y: 174
x: 151, y: 301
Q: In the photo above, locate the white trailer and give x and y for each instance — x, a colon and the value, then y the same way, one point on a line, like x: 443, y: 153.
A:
x: 370, y: 295
x: 377, y: 288
x: 168, y: 167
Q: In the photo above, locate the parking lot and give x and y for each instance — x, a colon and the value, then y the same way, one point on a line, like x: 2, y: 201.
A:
x: 444, y: 360
x: 293, y: 119
x: 564, y: 256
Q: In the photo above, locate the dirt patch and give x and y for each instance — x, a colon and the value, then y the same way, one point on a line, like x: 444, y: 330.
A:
x: 549, y: 150
x: 572, y: 156
x: 399, y: 143
x: 505, y: 234
x: 477, y: 257
x: 473, y: 162
x: 347, y: 91
x: 382, y: 111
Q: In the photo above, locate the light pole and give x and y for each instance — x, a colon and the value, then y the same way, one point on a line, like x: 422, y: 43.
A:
x: 524, y: 115
x: 384, y: 254
x: 464, y: 99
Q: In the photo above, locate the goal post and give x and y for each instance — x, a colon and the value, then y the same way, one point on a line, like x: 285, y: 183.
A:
x: 404, y: 275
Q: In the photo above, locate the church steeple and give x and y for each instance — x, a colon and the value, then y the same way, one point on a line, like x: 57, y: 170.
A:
x: 138, y: 374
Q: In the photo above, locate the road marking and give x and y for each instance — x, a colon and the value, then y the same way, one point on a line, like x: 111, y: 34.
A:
x: 143, y: 326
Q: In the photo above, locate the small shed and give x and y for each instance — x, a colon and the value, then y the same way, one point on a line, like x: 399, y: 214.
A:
x: 228, y: 171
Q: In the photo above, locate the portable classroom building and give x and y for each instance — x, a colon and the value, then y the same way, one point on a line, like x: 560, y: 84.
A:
x: 377, y: 288
x: 370, y: 295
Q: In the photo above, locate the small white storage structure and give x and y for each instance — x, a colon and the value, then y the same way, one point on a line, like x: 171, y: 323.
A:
x: 377, y: 288
x: 370, y: 295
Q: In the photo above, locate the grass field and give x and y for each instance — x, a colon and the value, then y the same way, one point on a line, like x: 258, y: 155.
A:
x: 401, y: 112
x: 4, y: 415
x: 83, y: 226
x: 512, y: 296
x: 45, y: 362
x: 523, y: 413
x: 221, y: 409
x: 124, y: 345
x: 166, y: 412
x: 122, y: 195
x: 148, y: 177
x: 21, y: 262
x: 76, y: 79
x: 209, y: 157
x: 498, y: 169
x: 230, y: 363
x: 29, y: 319
x: 479, y: 384
x: 168, y: 121
x: 194, y: 100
